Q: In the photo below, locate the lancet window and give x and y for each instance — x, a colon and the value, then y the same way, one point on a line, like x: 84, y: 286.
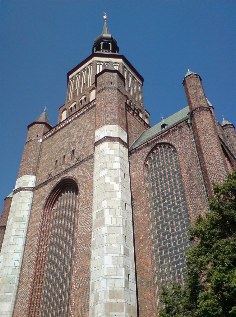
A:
x: 169, y: 215
x: 53, y: 272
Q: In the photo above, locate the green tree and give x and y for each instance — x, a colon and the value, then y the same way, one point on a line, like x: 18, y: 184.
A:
x: 210, y: 289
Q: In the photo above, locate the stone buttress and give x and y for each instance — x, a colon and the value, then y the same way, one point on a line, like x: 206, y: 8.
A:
x: 16, y: 229
x: 112, y: 285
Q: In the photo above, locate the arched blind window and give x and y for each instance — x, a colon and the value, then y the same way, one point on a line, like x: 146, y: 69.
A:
x: 169, y: 216
x: 53, y: 274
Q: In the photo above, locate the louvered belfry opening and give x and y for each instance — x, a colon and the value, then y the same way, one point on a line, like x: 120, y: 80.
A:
x: 169, y: 215
x: 53, y: 272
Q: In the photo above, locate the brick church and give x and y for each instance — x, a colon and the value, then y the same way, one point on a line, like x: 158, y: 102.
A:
x: 98, y: 219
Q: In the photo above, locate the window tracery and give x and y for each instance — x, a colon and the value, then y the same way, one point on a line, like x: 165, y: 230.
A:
x: 169, y: 215
x: 54, y: 266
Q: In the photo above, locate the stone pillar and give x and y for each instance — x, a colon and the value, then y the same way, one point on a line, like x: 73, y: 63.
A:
x: 13, y: 243
x: 112, y: 285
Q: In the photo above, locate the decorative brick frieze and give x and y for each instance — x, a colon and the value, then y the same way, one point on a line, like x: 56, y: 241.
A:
x: 68, y: 120
x: 64, y: 172
x: 137, y: 115
x: 200, y: 108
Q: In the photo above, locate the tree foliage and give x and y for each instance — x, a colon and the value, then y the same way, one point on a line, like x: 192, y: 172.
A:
x: 210, y: 289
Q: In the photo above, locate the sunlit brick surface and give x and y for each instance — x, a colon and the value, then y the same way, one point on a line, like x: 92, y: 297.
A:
x: 58, y: 271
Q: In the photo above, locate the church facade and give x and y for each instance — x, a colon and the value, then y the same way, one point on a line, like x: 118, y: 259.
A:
x: 98, y: 220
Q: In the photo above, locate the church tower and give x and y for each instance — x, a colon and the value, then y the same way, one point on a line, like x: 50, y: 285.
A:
x: 76, y: 254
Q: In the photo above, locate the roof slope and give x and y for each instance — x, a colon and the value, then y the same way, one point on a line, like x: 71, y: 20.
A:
x: 156, y: 129
x: 43, y: 118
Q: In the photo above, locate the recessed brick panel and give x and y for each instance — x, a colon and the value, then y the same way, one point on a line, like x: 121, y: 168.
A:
x: 181, y: 138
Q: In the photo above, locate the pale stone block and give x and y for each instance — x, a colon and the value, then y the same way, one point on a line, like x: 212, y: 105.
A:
x: 114, y: 229
x: 108, y: 259
x: 118, y: 260
x: 99, y: 223
x: 112, y: 249
x: 103, y: 172
x: 116, y: 294
x: 110, y: 239
x: 116, y: 221
x: 21, y: 219
x: 110, y: 130
x: 114, y: 307
x: 100, y: 213
x: 104, y: 204
x: 108, y: 220
x: 25, y: 181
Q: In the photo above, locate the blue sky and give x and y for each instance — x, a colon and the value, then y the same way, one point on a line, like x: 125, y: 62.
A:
x: 41, y: 40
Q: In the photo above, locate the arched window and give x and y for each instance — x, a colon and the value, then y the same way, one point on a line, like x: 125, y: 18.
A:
x: 169, y: 215
x: 53, y: 271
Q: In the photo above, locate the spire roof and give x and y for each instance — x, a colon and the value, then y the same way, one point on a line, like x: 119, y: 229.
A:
x: 105, y: 28
x: 189, y: 72
x: 225, y: 122
x: 43, y: 118
x: 105, y: 43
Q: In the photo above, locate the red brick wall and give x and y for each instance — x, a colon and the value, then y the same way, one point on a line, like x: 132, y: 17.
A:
x: 28, y: 165
x: 2, y: 232
x: 135, y: 128
x: 230, y: 137
x: 182, y: 139
x: 110, y: 99
x: 4, y: 217
x: 5, y: 211
x: 205, y: 132
x: 78, y: 135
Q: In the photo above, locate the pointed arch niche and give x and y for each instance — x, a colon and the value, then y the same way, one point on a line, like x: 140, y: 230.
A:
x: 169, y: 217
x: 54, y: 265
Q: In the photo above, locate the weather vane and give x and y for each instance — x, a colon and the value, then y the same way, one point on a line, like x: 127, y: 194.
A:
x: 105, y: 16
x: 45, y: 109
